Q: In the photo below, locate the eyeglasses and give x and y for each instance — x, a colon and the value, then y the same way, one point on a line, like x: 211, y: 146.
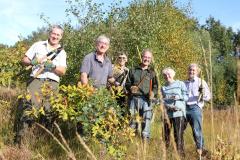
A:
x: 122, y: 58
x: 102, y: 42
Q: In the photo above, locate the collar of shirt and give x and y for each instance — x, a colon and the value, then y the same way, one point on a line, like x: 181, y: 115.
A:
x: 49, y: 47
x: 139, y: 67
x: 193, y: 80
x: 105, y: 60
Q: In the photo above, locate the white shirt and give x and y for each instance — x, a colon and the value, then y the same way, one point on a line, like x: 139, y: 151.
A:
x: 41, y: 49
x: 193, y: 91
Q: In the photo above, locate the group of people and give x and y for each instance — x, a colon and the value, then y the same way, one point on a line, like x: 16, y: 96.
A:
x: 182, y: 100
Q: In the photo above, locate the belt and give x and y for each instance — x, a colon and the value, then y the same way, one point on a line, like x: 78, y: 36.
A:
x: 46, y: 79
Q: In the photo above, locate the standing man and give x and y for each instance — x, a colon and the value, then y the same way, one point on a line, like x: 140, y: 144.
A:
x: 142, y: 86
x: 96, y: 66
x: 198, y: 92
x: 48, y: 62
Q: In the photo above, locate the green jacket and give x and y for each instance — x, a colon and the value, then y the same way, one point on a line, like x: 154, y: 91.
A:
x: 141, y: 78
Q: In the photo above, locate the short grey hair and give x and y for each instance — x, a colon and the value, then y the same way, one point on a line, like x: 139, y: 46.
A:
x: 101, y: 37
x: 194, y: 65
x: 169, y: 71
x: 146, y: 50
x: 55, y: 26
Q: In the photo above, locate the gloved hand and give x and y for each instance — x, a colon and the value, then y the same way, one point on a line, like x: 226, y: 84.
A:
x: 48, y: 65
x: 35, y: 61
x: 134, y: 89
x: 151, y: 95
x: 175, y: 97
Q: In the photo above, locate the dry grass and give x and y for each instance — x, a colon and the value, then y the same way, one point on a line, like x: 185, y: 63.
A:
x: 7, y: 93
x: 14, y: 153
x: 38, y: 145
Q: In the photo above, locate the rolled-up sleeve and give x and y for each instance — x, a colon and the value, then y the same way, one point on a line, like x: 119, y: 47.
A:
x: 31, y: 51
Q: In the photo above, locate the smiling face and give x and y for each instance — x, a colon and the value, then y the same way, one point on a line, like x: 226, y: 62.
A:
x: 55, y: 36
x: 193, y: 71
x: 102, y: 45
x: 122, y: 59
x: 146, y: 58
x: 168, y: 75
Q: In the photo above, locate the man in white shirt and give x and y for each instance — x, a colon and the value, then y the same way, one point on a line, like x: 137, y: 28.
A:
x: 198, y: 92
x: 48, y: 62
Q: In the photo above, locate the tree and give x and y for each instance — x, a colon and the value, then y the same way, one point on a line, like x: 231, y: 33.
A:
x: 221, y: 36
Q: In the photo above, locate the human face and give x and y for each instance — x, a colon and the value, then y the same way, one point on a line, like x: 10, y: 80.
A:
x: 102, y: 46
x: 55, y: 36
x: 192, y: 72
x: 122, y: 59
x: 146, y: 58
x: 168, y: 77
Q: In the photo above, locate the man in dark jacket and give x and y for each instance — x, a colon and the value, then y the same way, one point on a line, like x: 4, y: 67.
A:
x: 142, y: 85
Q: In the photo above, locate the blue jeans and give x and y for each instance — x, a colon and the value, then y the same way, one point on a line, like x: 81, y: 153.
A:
x: 140, y: 105
x: 194, y: 117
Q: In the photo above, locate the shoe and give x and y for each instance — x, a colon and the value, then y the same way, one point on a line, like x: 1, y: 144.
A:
x: 199, y: 151
x: 203, y: 152
x: 145, y: 139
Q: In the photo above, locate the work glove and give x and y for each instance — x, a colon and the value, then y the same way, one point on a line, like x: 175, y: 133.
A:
x: 134, y: 89
x: 34, y: 61
x: 172, y: 97
x: 151, y: 95
x: 49, y: 66
x: 175, y: 97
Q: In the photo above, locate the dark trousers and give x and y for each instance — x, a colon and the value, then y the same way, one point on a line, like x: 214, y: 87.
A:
x: 178, y: 128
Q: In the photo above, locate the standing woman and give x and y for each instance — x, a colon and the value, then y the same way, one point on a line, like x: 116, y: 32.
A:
x: 120, y: 73
x: 174, y: 96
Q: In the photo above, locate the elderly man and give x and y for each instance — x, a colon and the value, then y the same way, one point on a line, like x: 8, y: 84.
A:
x: 46, y: 68
x: 48, y: 62
x: 96, y: 66
x: 142, y: 85
x: 198, y: 92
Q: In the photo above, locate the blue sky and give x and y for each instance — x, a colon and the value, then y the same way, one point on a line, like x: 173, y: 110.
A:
x: 21, y: 17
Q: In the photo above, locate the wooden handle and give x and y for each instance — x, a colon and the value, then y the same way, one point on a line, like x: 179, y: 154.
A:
x: 39, y: 71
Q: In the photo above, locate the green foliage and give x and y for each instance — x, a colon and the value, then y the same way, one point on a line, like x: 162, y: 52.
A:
x: 224, y: 81
x: 223, y: 64
x: 222, y: 37
x: 157, y: 25
x: 96, y: 110
x: 10, y: 64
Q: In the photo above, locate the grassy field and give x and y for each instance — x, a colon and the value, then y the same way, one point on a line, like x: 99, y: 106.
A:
x: 221, y: 132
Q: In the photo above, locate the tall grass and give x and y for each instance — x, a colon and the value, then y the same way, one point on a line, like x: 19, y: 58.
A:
x: 39, y: 145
